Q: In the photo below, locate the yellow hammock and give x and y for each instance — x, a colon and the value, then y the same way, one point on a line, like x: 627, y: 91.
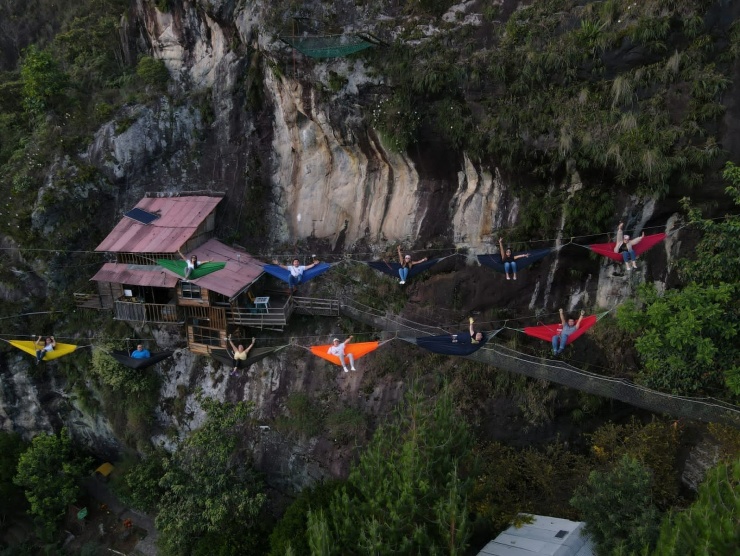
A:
x: 30, y: 347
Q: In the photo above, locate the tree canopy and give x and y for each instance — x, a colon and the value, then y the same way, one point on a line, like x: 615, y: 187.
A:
x: 212, y: 496
x: 711, y: 525
x: 618, y: 509
x: 406, y: 494
x: 49, y: 472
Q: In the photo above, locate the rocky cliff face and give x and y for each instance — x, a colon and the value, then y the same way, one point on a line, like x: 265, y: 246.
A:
x: 327, y: 175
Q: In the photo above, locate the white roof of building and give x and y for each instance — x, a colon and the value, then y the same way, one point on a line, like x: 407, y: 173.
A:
x: 545, y: 536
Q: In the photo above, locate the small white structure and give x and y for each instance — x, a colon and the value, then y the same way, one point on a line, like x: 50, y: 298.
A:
x: 549, y: 536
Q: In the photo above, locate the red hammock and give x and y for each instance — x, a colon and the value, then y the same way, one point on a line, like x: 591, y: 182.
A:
x: 607, y: 249
x: 547, y: 331
x: 357, y: 350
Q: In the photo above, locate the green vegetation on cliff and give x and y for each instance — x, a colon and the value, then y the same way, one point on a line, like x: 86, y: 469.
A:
x: 688, y: 336
x: 625, y: 93
x: 406, y: 494
x: 711, y: 525
x: 212, y: 497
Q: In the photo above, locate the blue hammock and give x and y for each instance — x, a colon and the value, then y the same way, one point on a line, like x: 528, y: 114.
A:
x: 391, y: 269
x: 495, y: 262
x: 283, y: 274
x: 443, y: 344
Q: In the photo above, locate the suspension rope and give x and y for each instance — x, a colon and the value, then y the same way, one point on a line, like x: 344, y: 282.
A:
x: 271, y: 255
x: 502, y: 350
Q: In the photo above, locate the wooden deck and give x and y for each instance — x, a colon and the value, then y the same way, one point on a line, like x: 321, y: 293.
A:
x: 275, y: 316
x: 89, y: 301
x: 278, y: 312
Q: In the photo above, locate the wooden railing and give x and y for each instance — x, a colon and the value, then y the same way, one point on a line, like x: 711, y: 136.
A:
x: 313, y: 306
x: 147, y: 312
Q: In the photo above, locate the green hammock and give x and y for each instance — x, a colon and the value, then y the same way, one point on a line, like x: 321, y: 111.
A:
x: 178, y: 267
x: 327, y: 46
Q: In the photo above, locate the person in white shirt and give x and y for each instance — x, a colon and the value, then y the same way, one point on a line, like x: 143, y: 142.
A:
x: 296, y: 271
x: 190, y: 264
x: 338, y: 349
x: 44, y: 347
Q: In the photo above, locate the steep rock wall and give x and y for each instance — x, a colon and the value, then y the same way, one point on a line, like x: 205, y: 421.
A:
x: 329, y: 176
x: 34, y: 402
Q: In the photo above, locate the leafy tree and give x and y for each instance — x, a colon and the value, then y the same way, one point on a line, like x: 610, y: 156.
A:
x: 212, y: 496
x: 11, y: 497
x: 49, y: 472
x: 43, y: 80
x: 152, y: 72
x: 684, y: 337
x: 139, y: 486
x: 618, y: 509
x: 90, y: 47
x: 405, y: 495
x: 655, y: 445
x: 290, y: 531
x: 711, y: 525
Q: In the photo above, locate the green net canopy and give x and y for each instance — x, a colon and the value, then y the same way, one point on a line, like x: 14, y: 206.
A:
x: 327, y: 46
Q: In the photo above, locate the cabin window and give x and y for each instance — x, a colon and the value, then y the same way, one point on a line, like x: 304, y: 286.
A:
x: 190, y: 291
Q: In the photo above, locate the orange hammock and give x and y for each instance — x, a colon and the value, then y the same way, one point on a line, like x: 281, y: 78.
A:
x: 30, y: 347
x: 357, y: 350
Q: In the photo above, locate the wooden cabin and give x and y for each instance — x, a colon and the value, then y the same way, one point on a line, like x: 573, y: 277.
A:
x: 140, y: 291
x: 225, y: 300
x: 134, y: 286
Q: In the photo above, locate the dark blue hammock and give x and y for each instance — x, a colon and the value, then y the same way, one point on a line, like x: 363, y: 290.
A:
x: 126, y: 360
x: 391, y: 269
x: 443, y: 344
x: 495, y: 262
x: 283, y: 274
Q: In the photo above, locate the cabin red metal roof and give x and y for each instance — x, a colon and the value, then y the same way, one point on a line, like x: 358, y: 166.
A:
x: 240, y: 271
x: 135, y: 275
x: 179, y: 217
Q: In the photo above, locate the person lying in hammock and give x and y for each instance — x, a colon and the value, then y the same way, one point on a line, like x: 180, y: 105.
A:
x: 569, y: 326
x: 42, y: 348
x: 337, y: 348
x: 406, y: 264
x: 191, y: 264
x: 239, y: 355
x: 296, y: 271
x: 475, y: 337
x: 624, y: 247
x: 509, y: 259
x: 141, y: 353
